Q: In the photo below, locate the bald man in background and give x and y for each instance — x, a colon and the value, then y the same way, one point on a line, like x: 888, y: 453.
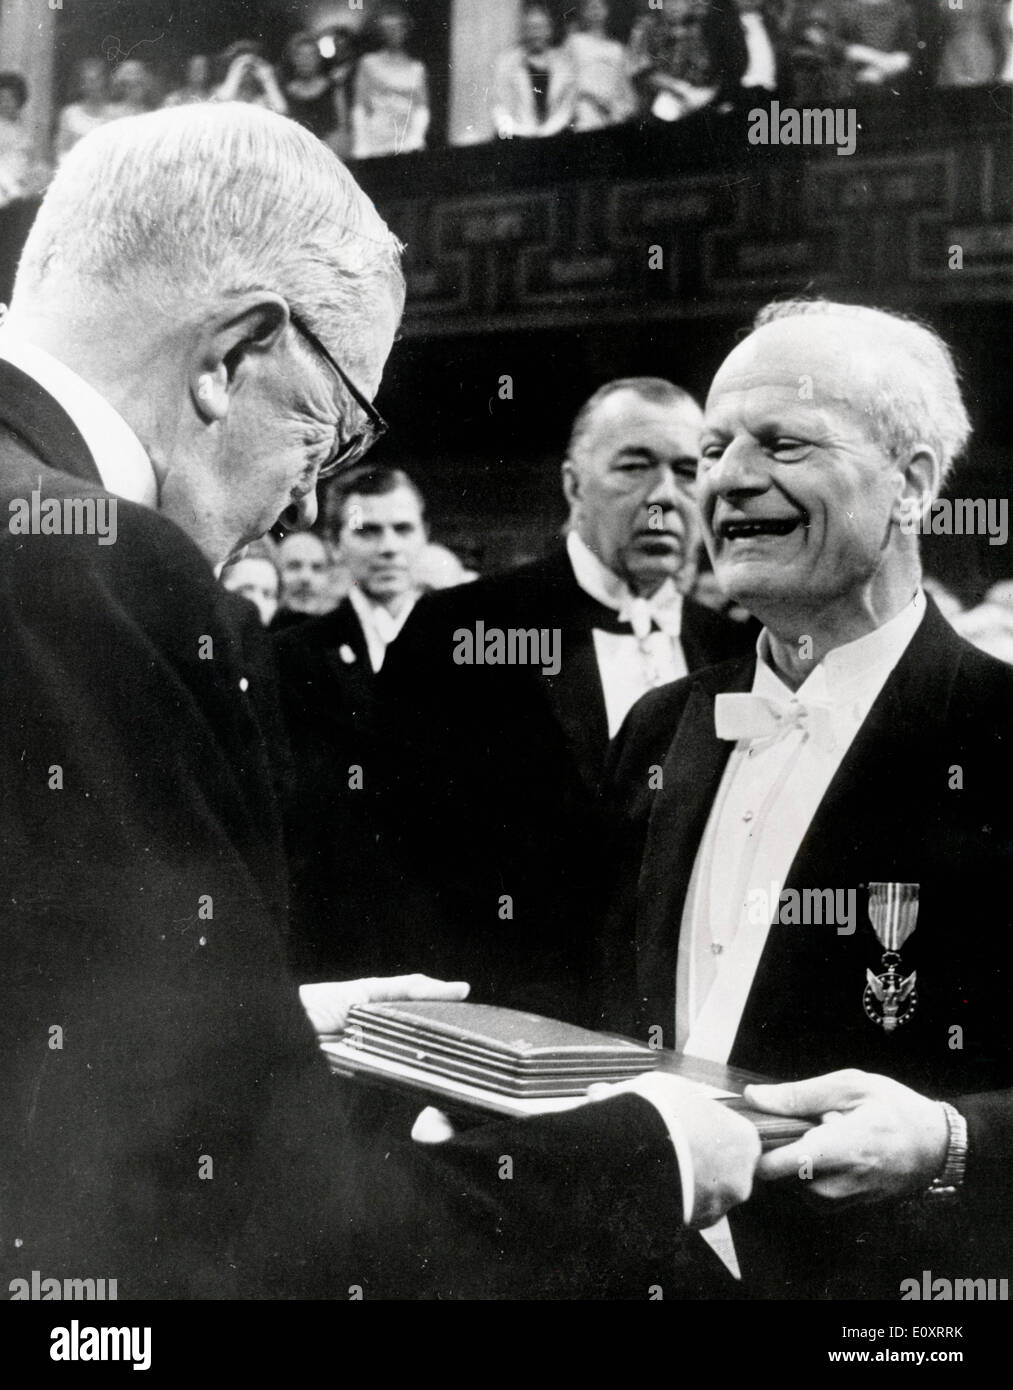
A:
x: 496, y: 781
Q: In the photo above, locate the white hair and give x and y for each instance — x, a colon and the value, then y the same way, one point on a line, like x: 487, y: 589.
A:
x: 912, y: 386
x: 180, y: 209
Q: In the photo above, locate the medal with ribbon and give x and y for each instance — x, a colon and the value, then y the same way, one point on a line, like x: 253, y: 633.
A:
x: 890, y: 999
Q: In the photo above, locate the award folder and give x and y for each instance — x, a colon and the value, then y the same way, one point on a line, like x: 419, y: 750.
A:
x: 475, y: 1060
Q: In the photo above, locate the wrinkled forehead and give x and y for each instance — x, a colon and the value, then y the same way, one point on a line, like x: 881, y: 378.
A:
x: 627, y: 420
x: 822, y: 360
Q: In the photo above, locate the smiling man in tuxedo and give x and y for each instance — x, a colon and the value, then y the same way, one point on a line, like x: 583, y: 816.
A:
x: 864, y: 748
x: 500, y: 812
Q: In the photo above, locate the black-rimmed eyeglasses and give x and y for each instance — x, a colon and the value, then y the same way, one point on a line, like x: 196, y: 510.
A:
x: 374, y: 427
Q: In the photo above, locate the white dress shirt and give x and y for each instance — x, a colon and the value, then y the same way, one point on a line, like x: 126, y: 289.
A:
x: 121, y: 459
x: 630, y: 664
x: 379, y: 626
x: 768, y: 796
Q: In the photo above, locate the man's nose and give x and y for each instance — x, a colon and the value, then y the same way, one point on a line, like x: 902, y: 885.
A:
x: 742, y: 468
x: 668, y: 489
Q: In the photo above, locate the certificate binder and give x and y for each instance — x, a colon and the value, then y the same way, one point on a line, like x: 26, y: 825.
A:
x: 478, y: 1060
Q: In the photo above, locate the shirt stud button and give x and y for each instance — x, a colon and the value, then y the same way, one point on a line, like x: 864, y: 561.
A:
x: 747, y: 816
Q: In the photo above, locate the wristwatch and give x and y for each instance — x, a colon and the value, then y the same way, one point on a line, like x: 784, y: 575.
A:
x: 951, y: 1179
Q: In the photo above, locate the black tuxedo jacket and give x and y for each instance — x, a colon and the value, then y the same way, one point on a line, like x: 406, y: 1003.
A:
x: 168, y: 1120
x: 922, y: 796
x: 494, y: 775
x: 349, y: 904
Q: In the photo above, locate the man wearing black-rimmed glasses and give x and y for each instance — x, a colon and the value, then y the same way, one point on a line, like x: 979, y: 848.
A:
x: 167, y: 1119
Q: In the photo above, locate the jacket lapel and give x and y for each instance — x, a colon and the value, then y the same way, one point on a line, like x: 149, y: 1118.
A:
x: 869, y: 826
x: 44, y: 427
x: 691, y: 774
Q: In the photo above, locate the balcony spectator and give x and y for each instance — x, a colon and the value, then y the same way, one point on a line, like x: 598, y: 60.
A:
x: 133, y: 89
x: 308, y: 91
x: 198, y: 85
x: 343, y: 61
x: 534, y: 86
x: 879, y: 38
x: 252, y: 79
x: 811, y: 63
x: 90, y: 108
x: 687, y: 56
x: 604, y: 92
x: 390, y: 111
x: 22, y: 174
x: 974, y: 44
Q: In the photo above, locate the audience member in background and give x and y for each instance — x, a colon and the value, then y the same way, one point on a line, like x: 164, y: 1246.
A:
x: 304, y: 563
x: 133, y: 89
x: 973, y: 43
x: 251, y: 78
x: 506, y: 753
x: 879, y: 38
x: 437, y: 567
x: 534, y: 85
x: 379, y: 534
x: 390, y: 111
x: 351, y: 908
x: 343, y: 63
x: 687, y: 56
x: 812, y: 66
x: 255, y: 577
x: 90, y: 107
x: 198, y: 85
x: 604, y: 94
x: 308, y: 91
x: 16, y: 152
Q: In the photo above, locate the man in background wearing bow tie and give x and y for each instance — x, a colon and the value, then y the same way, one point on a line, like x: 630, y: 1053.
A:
x: 864, y: 749
x: 499, y: 764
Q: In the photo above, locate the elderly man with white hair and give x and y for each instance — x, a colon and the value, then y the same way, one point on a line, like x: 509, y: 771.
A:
x: 200, y: 320
x: 820, y: 838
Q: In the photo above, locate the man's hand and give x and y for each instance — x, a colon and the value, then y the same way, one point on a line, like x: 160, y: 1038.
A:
x: 721, y: 1146
x: 878, y: 1139
x: 328, y: 1004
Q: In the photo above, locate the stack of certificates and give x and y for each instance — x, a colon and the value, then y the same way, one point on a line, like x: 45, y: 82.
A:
x: 483, y: 1057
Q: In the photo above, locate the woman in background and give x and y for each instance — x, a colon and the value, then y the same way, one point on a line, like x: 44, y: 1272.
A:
x: 604, y: 92
x: 89, y: 110
x: 197, y: 86
x: 390, y: 111
x: 251, y: 78
x: 308, y: 91
x: 133, y: 89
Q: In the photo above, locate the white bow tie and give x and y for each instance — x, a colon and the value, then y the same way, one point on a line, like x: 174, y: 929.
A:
x: 745, y: 715
x: 643, y: 614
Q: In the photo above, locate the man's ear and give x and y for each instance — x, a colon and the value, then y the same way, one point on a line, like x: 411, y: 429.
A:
x: 571, y: 481
x: 237, y: 338
x: 918, y: 483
